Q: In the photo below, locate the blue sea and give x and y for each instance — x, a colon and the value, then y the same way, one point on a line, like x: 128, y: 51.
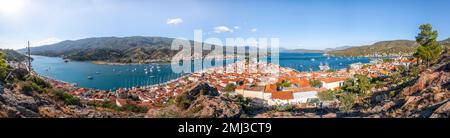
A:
x: 111, y: 77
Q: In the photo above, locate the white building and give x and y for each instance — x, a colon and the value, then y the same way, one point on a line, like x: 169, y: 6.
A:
x: 332, y: 83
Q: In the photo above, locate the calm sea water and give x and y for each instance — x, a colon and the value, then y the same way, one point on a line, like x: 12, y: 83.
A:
x: 111, y: 77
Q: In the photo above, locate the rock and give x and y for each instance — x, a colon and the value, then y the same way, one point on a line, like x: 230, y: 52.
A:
x: 329, y: 115
x: 202, y: 89
x: 388, y: 105
x: 1, y: 89
x: 441, y: 96
x: 442, y: 112
x: 376, y: 109
x: 411, y: 102
x: 374, y: 116
x: 214, y: 107
x: 205, y: 102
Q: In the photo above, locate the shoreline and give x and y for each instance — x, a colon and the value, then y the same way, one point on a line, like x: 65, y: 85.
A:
x: 162, y: 83
x: 75, y: 85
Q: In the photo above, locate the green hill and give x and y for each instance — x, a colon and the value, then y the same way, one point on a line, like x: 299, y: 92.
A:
x: 11, y: 55
x: 383, y: 48
x: 135, y: 49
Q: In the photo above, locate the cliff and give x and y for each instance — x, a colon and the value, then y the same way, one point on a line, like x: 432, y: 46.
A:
x: 199, y: 101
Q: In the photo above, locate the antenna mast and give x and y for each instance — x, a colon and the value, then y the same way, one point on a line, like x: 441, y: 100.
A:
x: 29, y: 58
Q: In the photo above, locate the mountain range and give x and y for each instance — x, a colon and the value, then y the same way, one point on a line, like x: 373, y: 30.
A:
x: 136, y: 49
x: 383, y: 48
x: 139, y: 49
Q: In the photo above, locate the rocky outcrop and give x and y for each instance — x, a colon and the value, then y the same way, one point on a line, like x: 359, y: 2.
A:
x: 201, y: 89
x: 204, y: 102
x: 17, y: 105
x: 214, y: 107
x: 427, y: 96
x: 442, y: 112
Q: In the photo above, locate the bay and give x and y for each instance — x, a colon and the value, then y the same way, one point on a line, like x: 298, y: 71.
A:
x: 111, y: 77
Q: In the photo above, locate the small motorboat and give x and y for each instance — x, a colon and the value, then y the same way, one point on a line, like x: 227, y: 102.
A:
x: 90, y: 77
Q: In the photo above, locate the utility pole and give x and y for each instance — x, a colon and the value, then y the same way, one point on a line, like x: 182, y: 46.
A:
x: 29, y: 58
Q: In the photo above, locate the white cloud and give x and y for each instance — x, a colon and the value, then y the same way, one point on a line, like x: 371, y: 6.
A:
x: 237, y: 27
x: 253, y: 30
x: 222, y: 29
x: 174, y: 21
x: 46, y: 41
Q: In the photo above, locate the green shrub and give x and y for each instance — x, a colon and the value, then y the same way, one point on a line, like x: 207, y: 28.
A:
x: 347, y: 101
x: 182, y: 101
x: 276, y: 108
x: 133, y: 108
x: 245, y: 103
x: 388, y: 60
x: 230, y: 87
x: 66, y: 97
x: 3, y: 67
x: 38, y: 81
x: 392, y: 93
x: 328, y: 95
x: 316, y: 83
x: 26, y: 88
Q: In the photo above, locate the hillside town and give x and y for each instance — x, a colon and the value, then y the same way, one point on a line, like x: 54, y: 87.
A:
x: 269, y: 83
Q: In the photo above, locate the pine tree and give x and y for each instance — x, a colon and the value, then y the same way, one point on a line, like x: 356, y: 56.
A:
x: 429, y: 49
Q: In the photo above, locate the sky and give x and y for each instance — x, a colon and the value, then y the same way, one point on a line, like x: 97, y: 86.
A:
x: 309, y: 24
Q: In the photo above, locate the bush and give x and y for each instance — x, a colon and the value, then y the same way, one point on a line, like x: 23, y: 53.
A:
x: 330, y: 70
x: 245, y: 103
x: 3, y: 67
x: 347, y: 101
x: 392, y: 93
x: 316, y: 83
x: 133, y: 108
x: 26, y: 88
x: 230, y: 87
x: 66, y: 97
x: 388, y: 60
x: 20, y: 74
x: 182, y: 101
x: 328, y: 95
x: 42, y: 83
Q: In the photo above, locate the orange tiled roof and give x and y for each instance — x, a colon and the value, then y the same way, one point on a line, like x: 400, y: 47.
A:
x: 240, y: 87
x: 283, y: 95
x: 305, y: 89
x: 304, y: 82
x: 330, y: 80
x: 270, y: 88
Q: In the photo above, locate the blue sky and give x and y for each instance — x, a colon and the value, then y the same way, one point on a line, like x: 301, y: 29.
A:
x: 310, y: 24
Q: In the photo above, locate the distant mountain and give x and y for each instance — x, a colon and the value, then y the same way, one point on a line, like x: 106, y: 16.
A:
x: 383, y: 48
x: 136, y: 49
x: 286, y: 50
x: 445, y: 42
x: 11, y: 55
x: 338, y: 48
